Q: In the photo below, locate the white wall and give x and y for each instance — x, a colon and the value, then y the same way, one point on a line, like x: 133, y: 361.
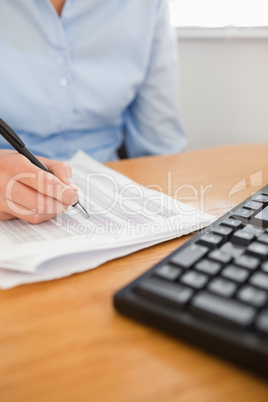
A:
x: 223, y: 90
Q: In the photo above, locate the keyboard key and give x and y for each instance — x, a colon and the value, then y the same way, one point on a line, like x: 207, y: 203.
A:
x: 262, y: 322
x: 260, y: 279
x: 256, y: 230
x: 243, y: 213
x: 264, y: 191
x: 219, y: 256
x: 264, y: 266
x: 223, y: 231
x: 207, y: 266
x: 232, y: 311
x: 263, y: 238
x: 258, y: 250
x: 232, y: 223
x: 254, y: 205
x: 246, y: 261
x: 194, y: 279
x: 168, y: 272
x: 261, y: 198
x: 163, y: 291
x: 251, y: 295
x: 222, y: 287
x: 261, y: 219
x: 242, y: 237
x: 235, y: 273
x: 232, y: 249
x: 211, y: 240
x: 190, y: 255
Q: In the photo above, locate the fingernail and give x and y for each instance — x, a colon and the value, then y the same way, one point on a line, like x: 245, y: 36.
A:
x: 71, y: 183
x: 74, y: 200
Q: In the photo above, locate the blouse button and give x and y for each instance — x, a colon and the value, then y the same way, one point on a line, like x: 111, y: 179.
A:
x: 63, y: 81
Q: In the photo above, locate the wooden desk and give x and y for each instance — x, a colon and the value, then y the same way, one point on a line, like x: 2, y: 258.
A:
x: 63, y: 341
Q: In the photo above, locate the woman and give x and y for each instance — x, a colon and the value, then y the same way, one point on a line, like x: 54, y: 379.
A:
x: 89, y: 75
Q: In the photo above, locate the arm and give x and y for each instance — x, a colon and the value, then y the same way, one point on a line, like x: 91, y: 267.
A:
x: 152, y: 123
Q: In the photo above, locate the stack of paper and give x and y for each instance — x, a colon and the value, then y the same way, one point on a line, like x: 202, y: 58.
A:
x: 124, y: 217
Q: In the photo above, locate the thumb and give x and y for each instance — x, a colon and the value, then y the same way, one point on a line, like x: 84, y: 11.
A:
x: 62, y: 170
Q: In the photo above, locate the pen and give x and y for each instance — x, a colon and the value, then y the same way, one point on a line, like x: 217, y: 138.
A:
x: 15, y: 141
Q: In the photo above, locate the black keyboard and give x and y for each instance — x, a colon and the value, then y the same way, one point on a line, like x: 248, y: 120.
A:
x: 213, y: 290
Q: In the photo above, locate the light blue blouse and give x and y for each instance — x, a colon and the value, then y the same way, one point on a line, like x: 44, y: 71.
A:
x: 103, y: 71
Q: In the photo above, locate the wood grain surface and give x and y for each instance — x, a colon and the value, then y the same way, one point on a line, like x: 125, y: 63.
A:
x: 62, y: 340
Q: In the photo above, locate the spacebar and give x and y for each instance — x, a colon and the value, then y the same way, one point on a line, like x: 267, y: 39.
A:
x: 228, y: 310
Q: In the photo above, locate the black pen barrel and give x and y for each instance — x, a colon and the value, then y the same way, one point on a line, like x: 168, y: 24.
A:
x: 25, y: 151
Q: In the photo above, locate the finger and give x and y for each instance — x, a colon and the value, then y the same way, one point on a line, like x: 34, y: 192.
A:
x: 21, y: 169
x: 4, y: 216
x: 62, y: 170
x: 28, y: 215
x: 30, y: 199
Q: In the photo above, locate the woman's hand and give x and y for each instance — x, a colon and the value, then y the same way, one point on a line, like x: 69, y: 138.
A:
x: 31, y: 194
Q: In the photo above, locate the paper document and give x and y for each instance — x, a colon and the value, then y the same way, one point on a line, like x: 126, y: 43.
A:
x: 124, y: 217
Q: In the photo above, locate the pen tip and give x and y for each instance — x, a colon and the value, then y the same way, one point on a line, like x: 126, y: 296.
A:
x: 86, y: 213
x: 82, y: 209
